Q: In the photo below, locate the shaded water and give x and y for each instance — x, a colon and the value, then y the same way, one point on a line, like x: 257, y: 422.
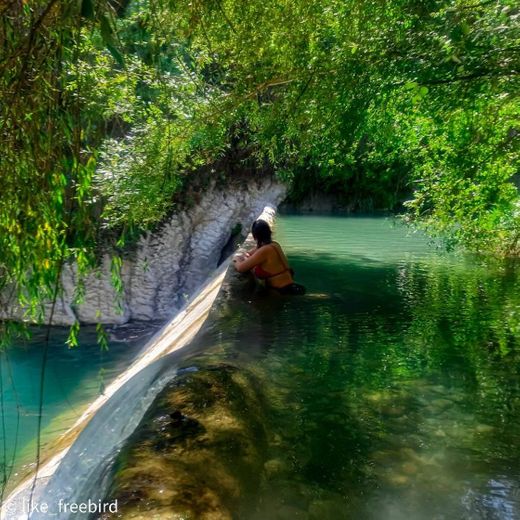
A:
x: 390, y: 391
x: 73, y: 378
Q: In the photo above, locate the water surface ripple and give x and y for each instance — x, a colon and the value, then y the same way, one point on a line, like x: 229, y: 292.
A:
x: 390, y: 391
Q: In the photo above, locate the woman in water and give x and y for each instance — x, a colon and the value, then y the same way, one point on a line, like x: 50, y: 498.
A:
x: 268, y: 262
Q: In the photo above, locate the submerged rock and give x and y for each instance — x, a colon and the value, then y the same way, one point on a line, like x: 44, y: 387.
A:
x: 393, y: 410
x: 327, y: 510
x: 274, y: 467
x: 439, y: 405
x: 197, y: 454
x: 397, y: 479
x: 409, y: 468
x: 484, y: 428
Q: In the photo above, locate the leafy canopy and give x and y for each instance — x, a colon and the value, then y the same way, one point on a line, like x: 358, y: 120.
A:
x: 109, y: 110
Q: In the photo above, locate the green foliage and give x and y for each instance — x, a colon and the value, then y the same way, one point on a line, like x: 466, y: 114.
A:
x: 375, y: 100
x: 46, y: 163
x: 106, y: 115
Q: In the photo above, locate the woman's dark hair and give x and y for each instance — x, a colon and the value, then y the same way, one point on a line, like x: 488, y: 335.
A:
x: 261, y: 232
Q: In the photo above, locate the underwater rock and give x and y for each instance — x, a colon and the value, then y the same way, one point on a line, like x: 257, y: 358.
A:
x: 439, y: 405
x: 484, y: 428
x: 283, y: 500
x: 276, y: 440
x: 393, y: 410
x: 397, y: 479
x: 274, y: 467
x: 291, y: 513
x: 409, y: 468
x: 197, y: 454
x: 411, y: 455
x: 377, y: 397
x: 440, y: 390
x: 327, y: 510
x: 383, y: 456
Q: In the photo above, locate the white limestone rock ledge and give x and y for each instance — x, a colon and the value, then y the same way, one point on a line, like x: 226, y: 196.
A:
x: 167, y: 266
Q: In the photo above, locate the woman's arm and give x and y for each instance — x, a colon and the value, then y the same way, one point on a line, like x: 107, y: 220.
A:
x: 243, y: 265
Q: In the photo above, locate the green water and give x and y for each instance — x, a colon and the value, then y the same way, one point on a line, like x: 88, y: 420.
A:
x: 392, y: 389
x: 73, y: 378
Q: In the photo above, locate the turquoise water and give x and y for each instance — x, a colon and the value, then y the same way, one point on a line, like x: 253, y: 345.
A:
x: 390, y: 391
x: 73, y: 378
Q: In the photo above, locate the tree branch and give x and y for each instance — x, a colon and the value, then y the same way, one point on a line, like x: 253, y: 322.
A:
x: 468, y: 77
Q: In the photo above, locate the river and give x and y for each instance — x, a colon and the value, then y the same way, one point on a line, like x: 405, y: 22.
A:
x: 73, y: 378
x: 390, y: 391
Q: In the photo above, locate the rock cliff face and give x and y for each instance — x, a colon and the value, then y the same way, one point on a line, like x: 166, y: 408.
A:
x: 167, y: 266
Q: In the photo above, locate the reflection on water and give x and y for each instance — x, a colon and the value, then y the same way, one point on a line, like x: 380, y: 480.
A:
x: 391, y: 391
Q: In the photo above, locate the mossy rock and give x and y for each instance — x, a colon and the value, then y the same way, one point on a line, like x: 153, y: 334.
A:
x: 198, y: 452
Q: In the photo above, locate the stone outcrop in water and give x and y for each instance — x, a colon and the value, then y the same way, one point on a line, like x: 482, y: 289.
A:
x: 197, y: 454
x: 167, y: 266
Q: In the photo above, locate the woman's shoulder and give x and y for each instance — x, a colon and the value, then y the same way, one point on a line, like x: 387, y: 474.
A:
x: 272, y: 245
